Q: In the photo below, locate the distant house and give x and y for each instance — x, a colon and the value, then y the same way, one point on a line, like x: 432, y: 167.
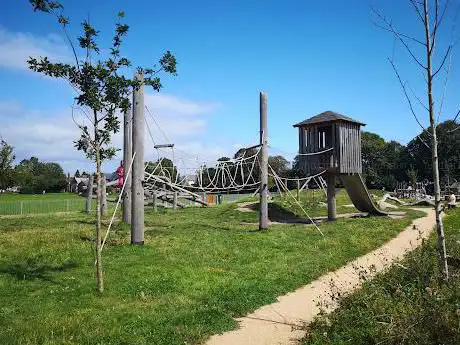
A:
x: 78, y: 184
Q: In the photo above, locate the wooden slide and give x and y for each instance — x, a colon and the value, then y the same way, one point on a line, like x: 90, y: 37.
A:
x: 359, y: 195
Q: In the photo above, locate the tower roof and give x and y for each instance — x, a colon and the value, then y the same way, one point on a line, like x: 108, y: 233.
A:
x: 327, y: 116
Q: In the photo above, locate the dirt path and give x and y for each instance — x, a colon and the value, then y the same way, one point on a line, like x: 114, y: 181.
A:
x: 282, y: 321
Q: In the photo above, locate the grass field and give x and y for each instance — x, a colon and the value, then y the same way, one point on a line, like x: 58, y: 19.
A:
x: 14, y: 197
x: 27, y: 204
x: 407, y: 305
x: 199, y: 268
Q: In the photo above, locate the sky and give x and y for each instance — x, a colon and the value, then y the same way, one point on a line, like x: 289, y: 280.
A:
x: 307, y: 56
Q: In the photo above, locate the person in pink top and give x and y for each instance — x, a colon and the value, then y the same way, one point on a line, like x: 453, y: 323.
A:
x: 120, y: 174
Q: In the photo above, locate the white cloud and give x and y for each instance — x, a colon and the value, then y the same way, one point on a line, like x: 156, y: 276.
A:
x: 50, y: 136
x: 171, y: 104
x: 17, y: 47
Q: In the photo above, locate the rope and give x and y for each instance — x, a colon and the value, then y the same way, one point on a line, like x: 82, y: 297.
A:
x: 118, y: 202
x: 315, y: 153
x: 298, y: 203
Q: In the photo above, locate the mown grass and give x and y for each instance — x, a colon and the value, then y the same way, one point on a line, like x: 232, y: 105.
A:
x: 314, y: 201
x: 199, y: 268
x: 13, y: 197
x: 407, y: 305
x: 13, y: 204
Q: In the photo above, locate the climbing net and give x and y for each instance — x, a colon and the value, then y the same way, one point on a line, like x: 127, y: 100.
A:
x: 185, y: 172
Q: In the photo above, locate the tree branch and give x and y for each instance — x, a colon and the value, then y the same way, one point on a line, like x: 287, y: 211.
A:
x: 417, y: 10
x: 443, y: 61
x: 395, y: 32
x: 423, y: 142
x: 403, y: 86
x: 417, y: 98
x: 441, y: 106
x: 438, y: 21
x: 66, y: 33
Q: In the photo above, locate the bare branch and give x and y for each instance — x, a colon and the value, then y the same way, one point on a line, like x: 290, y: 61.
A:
x: 444, y: 91
x: 66, y: 33
x: 392, y: 29
x: 456, y: 116
x: 423, y: 142
x: 453, y: 130
x: 443, y: 61
x: 397, y: 33
x: 455, y: 119
x: 403, y: 86
x: 417, y: 9
x: 438, y: 21
x: 417, y: 98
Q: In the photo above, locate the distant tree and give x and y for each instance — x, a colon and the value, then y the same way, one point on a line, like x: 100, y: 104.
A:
x: 35, y: 177
x: 77, y: 173
x: 223, y: 159
x: 412, y: 176
x: 249, y: 169
x: 103, y: 91
x: 166, y: 168
x: 448, y: 150
x: 6, y: 165
x: 279, y: 164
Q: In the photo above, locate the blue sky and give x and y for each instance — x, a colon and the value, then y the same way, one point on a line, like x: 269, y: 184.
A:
x: 308, y: 56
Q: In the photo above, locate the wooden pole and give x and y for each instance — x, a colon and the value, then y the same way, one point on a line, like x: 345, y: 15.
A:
x: 89, y: 193
x: 155, y: 201
x: 127, y: 157
x: 175, y: 200
x: 263, y: 212
x: 331, y: 201
x: 104, y: 195
x: 137, y: 206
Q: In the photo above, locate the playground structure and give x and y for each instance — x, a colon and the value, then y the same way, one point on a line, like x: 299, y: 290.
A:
x: 330, y: 143
x: 405, y: 191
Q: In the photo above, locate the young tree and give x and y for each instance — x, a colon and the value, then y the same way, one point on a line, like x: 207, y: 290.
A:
x: 103, y: 92
x: 6, y: 165
x: 430, y: 14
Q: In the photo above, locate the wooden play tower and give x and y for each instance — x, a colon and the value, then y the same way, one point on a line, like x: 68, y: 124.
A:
x: 330, y: 142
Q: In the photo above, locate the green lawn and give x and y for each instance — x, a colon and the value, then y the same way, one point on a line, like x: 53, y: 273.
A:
x: 13, y: 204
x: 407, y: 305
x: 314, y: 202
x: 13, y: 197
x: 199, y: 267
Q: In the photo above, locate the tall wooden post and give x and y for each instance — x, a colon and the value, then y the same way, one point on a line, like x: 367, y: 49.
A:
x: 137, y: 206
x: 263, y: 212
x: 174, y: 200
x: 89, y: 193
x: 154, y: 202
x: 298, y: 190
x: 104, y: 195
x: 127, y: 157
x: 331, y: 201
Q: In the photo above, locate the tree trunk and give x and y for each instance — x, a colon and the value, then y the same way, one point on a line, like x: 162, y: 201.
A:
x: 99, y: 276
x: 434, y: 152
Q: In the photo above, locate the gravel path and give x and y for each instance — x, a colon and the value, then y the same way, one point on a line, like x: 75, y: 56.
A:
x: 283, y: 321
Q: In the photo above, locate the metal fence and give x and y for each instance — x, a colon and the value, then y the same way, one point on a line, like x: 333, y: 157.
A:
x: 28, y: 207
